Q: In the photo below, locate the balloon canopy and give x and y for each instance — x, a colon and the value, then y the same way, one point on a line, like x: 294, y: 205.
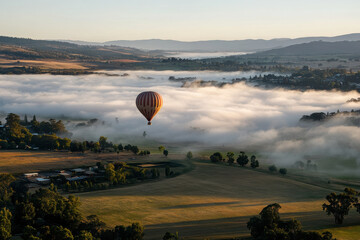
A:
x: 149, y: 104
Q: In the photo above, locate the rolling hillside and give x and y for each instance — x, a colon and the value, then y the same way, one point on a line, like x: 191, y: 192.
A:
x: 316, y: 48
x: 248, y: 45
x: 38, y: 49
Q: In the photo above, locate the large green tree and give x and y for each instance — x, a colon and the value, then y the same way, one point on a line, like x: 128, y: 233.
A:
x: 269, y: 226
x: 242, y: 159
x: 16, y: 132
x: 340, y: 204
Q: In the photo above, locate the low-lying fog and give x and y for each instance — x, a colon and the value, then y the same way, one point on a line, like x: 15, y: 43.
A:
x: 237, y: 115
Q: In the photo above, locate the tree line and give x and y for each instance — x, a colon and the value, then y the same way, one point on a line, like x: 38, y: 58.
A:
x: 46, y: 214
x: 242, y: 159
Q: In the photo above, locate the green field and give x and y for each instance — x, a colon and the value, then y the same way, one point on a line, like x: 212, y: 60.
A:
x: 213, y: 201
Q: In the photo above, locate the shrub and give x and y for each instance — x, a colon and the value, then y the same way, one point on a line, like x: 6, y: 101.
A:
x: 283, y: 171
x: 272, y: 168
x: 216, y: 157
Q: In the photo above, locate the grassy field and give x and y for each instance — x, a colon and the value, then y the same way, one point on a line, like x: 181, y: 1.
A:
x: 212, y: 201
x: 33, y: 161
x: 43, y: 64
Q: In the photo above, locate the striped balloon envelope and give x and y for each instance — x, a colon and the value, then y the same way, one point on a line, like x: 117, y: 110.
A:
x: 149, y: 104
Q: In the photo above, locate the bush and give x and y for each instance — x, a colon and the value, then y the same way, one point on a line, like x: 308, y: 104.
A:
x: 283, y: 171
x: 272, y: 168
x: 165, y: 152
x: 242, y: 159
x: 216, y: 157
x: 254, y: 163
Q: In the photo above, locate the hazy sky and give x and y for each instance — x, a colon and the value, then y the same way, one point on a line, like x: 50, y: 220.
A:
x: 95, y: 20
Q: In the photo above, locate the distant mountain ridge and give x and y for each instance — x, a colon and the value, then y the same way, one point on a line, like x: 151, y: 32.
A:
x: 316, y: 48
x: 248, y: 45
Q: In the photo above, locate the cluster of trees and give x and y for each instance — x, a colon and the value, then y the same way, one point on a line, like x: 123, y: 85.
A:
x: 85, y: 186
x: 340, y: 204
x: 144, y: 153
x: 242, y: 159
x: 315, y: 79
x: 37, y: 70
x: 46, y: 214
x: 44, y: 127
x: 308, y: 166
x: 269, y: 226
x: 273, y: 168
x: 120, y: 173
x: 17, y: 135
x: 132, y: 148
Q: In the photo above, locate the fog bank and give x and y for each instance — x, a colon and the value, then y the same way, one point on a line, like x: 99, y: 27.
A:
x: 236, y: 115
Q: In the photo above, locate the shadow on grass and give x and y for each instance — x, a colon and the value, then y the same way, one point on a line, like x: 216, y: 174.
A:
x: 229, y: 228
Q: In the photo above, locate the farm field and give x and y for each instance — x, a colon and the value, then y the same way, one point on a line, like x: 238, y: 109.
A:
x: 214, y: 202
x: 13, y: 161
x: 43, y: 64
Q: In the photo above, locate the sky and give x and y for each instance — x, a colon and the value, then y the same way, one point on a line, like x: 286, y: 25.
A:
x: 186, y: 20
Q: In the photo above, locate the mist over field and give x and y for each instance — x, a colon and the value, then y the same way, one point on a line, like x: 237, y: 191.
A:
x: 237, y: 115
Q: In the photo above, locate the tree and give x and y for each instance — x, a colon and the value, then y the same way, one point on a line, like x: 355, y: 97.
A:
x: 165, y: 152
x: 242, y: 159
x: 5, y: 224
x: 272, y: 168
x: 93, y: 224
x: 254, y: 163
x: 17, y: 132
x: 339, y: 205
x: 26, y: 120
x: 120, y: 147
x: 96, y: 147
x: 135, y: 232
x: 84, y: 235
x: 269, y: 226
x: 25, y: 213
x: 134, y: 149
x: 161, y: 148
x: 102, y: 141
x: 6, y: 191
x: 216, y: 157
x: 189, y: 155
x: 61, y: 233
x: 230, y: 156
x: 283, y: 171
x: 110, y: 172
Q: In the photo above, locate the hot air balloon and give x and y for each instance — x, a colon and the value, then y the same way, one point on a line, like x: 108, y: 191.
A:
x: 149, y: 104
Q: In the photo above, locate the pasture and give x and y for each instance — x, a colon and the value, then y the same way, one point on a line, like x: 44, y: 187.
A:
x: 18, y: 161
x: 212, y: 201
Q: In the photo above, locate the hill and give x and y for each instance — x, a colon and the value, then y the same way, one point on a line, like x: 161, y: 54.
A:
x: 22, y: 55
x: 248, y: 45
x: 36, y: 49
x: 316, y: 48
